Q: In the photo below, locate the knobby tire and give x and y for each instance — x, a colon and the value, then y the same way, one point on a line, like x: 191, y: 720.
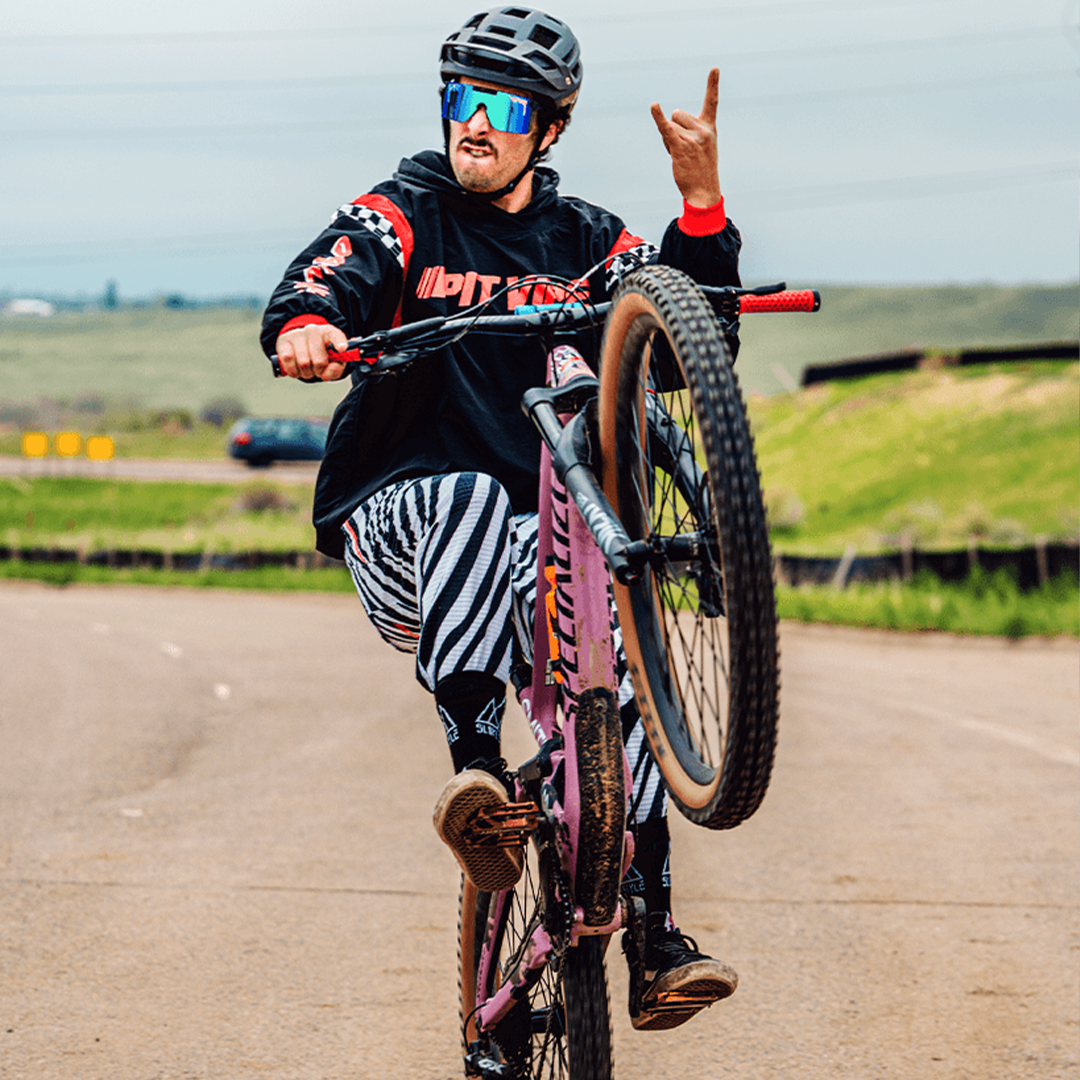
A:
x: 699, y: 631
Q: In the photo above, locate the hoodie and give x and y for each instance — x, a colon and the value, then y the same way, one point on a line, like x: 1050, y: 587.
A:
x: 418, y: 246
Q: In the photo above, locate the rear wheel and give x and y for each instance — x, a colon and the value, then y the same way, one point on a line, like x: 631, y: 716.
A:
x: 560, y: 1029
x: 699, y: 630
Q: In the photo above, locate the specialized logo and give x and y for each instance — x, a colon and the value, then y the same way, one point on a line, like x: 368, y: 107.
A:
x: 472, y: 287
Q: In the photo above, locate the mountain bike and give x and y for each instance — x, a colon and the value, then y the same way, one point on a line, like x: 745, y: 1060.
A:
x: 652, y: 531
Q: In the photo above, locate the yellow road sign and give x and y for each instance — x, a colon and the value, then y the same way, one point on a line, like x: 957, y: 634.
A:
x: 100, y: 448
x: 67, y: 444
x: 35, y: 444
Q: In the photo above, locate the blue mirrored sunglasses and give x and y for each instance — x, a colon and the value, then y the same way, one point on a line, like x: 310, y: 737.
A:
x: 505, y: 112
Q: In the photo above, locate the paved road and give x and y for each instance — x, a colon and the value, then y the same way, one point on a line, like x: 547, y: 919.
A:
x: 216, y: 858
x: 225, y: 471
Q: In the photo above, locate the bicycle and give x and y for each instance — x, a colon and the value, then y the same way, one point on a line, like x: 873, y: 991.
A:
x: 650, y: 477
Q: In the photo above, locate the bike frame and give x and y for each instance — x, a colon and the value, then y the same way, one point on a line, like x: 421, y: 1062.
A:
x: 573, y: 612
x: 581, y: 546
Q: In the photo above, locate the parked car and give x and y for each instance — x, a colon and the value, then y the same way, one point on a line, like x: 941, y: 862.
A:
x: 262, y: 440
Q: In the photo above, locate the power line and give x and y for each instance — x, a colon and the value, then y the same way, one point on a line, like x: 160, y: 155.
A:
x: 885, y: 189
x: 334, y: 33
x: 394, y: 78
x: 788, y: 99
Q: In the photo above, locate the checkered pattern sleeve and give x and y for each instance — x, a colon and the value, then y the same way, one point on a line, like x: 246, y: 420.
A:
x: 351, y: 276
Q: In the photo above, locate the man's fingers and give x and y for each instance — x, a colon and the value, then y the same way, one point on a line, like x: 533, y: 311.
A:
x: 712, y: 98
x: 662, y: 122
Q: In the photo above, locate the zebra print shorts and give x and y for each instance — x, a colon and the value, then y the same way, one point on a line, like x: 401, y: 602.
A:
x: 446, y: 571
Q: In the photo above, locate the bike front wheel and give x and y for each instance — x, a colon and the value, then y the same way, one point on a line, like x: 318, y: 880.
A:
x: 678, y: 466
x: 560, y: 1027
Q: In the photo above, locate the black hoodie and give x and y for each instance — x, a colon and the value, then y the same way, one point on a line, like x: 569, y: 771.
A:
x: 417, y: 246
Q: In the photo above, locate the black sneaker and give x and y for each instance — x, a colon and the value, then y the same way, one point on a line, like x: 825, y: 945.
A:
x: 679, y: 979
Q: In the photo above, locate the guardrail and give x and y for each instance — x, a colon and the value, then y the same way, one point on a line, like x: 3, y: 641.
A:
x: 911, y: 359
x: 1033, y: 565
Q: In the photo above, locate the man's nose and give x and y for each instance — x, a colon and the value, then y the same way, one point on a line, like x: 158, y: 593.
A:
x: 477, y: 124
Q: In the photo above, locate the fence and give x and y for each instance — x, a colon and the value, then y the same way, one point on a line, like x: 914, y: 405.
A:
x: 910, y: 359
x: 1032, y: 565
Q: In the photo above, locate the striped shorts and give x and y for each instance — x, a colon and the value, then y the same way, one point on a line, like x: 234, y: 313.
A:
x: 445, y: 570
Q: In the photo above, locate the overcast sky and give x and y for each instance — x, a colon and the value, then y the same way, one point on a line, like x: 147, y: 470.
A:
x: 196, y: 147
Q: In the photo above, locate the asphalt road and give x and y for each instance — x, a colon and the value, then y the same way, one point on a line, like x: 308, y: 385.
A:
x: 217, y: 862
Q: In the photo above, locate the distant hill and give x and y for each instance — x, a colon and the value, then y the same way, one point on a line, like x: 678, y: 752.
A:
x: 857, y: 321
x: 159, y: 356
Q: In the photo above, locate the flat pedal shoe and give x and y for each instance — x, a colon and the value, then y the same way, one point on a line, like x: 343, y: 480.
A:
x: 679, y: 980
x: 484, y: 830
x: 674, y: 997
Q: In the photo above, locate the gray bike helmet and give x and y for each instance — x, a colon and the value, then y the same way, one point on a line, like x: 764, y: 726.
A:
x: 517, y: 47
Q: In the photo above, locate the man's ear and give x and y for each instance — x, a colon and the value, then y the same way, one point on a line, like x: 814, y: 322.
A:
x: 553, y: 132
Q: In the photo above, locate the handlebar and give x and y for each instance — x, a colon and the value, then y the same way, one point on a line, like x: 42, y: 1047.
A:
x: 385, y: 350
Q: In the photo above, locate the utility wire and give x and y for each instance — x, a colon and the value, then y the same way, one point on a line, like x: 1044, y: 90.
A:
x: 344, y: 126
x: 334, y: 33
x: 887, y: 189
x: 725, y: 60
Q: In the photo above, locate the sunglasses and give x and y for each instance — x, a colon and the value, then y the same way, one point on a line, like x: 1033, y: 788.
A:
x: 505, y: 112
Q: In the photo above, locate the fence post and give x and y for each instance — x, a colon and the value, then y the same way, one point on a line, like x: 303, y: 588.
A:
x: 907, y: 557
x: 839, y: 580
x: 1041, y: 560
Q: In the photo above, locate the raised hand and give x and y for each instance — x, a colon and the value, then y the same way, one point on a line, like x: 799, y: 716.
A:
x: 691, y: 142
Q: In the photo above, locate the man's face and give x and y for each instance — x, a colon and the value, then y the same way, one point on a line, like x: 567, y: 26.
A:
x: 484, y: 158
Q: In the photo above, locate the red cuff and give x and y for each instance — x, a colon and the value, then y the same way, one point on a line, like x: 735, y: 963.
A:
x: 302, y: 320
x: 698, y: 221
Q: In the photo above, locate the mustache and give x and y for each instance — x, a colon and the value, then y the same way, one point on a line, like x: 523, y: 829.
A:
x: 480, y: 144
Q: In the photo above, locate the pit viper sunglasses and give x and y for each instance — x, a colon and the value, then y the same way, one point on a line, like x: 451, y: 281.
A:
x: 505, y: 112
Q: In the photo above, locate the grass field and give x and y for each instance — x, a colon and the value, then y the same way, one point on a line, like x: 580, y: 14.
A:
x: 160, y: 358
x: 937, y: 456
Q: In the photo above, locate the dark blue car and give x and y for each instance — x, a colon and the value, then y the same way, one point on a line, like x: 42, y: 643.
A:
x: 262, y: 440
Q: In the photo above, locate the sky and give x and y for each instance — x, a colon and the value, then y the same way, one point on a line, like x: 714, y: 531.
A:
x: 195, y: 148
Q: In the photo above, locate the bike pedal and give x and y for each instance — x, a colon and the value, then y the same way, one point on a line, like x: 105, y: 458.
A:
x: 509, y: 825
x: 680, y: 1001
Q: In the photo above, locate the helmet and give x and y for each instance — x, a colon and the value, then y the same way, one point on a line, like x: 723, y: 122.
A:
x: 520, y: 48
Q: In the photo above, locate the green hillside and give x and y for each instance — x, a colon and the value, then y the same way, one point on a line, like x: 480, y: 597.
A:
x: 940, y: 455
x: 158, y: 358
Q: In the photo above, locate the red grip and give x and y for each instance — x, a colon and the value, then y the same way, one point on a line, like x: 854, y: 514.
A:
x: 790, y: 300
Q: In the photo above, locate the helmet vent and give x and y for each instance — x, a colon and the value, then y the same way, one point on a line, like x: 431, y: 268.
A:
x: 516, y: 13
x: 543, y: 37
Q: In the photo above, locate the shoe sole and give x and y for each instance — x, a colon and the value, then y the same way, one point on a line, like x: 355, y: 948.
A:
x: 681, y: 994
x: 489, y: 868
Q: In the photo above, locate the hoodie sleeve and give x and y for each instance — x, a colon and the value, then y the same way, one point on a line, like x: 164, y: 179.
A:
x: 351, y: 276
x: 704, y: 244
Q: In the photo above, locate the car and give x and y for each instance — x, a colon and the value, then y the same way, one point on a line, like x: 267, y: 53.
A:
x: 262, y: 440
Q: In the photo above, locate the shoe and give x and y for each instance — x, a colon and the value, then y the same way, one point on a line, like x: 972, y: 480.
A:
x: 460, y: 822
x: 679, y: 979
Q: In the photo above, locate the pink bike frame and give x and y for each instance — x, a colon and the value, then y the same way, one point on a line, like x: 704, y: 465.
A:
x: 580, y: 599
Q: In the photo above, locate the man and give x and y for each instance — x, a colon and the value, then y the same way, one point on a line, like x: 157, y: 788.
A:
x: 429, y: 483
